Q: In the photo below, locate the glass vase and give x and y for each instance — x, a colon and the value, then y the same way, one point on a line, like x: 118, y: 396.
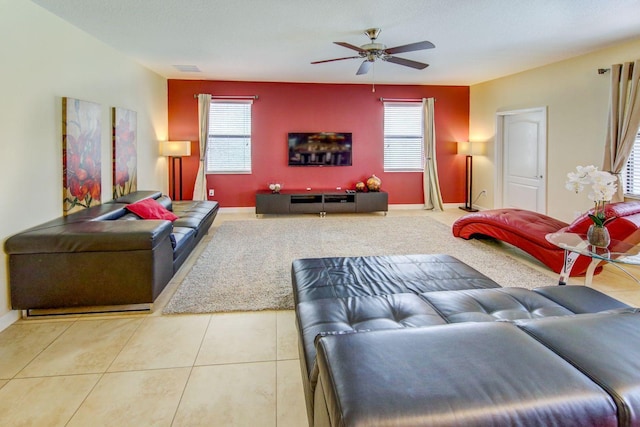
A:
x: 598, y: 236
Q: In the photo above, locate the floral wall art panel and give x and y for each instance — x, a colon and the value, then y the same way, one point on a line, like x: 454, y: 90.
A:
x: 125, y: 157
x: 81, y: 163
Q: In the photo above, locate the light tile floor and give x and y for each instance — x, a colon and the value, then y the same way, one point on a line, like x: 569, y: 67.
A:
x: 233, y: 369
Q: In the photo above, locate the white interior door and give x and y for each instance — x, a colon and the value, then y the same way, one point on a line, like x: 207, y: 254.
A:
x: 523, y: 159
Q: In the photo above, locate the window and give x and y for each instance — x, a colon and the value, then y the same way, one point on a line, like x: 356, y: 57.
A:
x: 229, y: 143
x: 403, y: 146
x: 632, y: 171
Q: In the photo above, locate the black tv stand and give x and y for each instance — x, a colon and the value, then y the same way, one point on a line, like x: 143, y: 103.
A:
x: 320, y: 202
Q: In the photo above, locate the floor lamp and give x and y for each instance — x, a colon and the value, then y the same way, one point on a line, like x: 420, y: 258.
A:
x: 175, y: 150
x: 469, y: 149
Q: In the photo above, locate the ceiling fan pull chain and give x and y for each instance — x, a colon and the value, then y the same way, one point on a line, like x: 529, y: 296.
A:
x: 373, y: 74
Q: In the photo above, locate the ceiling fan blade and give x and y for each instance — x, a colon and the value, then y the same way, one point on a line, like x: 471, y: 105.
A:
x: 350, y: 46
x: 336, y: 59
x: 364, y: 67
x: 406, y: 62
x: 410, y: 47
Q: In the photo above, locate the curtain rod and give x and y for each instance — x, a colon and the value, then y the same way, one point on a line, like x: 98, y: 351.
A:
x: 401, y: 99
x: 603, y: 70
x: 230, y: 96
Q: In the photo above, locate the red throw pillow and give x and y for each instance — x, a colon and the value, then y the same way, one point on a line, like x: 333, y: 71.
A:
x: 150, y: 209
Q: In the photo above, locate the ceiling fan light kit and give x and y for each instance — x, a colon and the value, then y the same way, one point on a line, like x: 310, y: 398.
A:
x: 373, y: 51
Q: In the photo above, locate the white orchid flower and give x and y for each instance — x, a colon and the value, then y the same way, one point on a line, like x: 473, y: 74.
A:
x: 602, y: 186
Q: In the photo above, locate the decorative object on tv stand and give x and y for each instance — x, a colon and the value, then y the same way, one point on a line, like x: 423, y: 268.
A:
x: 175, y: 150
x: 374, y: 183
x: 360, y: 186
x: 275, y: 187
x: 469, y: 149
x: 603, y: 187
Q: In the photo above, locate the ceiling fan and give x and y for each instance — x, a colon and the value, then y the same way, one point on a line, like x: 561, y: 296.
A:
x: 373, y: 51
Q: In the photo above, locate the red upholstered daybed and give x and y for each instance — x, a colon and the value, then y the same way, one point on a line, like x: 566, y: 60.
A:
x: 527, y: 230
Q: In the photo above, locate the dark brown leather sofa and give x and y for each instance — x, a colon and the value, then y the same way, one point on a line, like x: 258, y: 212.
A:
x: 381, y: 344
x: 104, y: 255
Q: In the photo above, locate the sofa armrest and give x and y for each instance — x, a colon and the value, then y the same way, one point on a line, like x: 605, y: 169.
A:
x: 91, y: 236
x: 89, y: 264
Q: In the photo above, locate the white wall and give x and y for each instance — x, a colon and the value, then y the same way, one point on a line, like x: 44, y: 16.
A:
x: 578, y: 101
x: 44, y: 59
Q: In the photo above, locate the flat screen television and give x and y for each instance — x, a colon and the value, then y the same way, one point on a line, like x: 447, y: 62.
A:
x: 320, y: 149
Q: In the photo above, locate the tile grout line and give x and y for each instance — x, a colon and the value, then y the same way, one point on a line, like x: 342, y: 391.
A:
x: 191, y: 368
x: 15, y: 376
x: 125, y: 344
x: 102, y: 374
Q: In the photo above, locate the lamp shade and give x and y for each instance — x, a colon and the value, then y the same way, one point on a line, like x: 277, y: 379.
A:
x: 175, y: 148
x: 470, y: 148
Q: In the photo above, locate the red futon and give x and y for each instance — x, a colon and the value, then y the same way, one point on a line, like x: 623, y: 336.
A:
x: 527, y: 230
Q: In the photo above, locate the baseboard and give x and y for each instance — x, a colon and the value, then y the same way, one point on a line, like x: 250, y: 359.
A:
x: 404, y: 207
x: 451, y: 205
x: 399, y: 207
x: 9, y: 319
x: 461, y: 206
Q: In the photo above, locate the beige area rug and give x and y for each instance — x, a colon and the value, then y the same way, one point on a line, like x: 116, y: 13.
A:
x: 247, y: 264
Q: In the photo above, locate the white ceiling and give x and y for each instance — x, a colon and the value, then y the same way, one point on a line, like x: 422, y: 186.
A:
x: 275, y: 40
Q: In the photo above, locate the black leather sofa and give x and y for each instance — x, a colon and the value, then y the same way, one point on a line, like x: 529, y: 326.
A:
x: 382, y: 343
x: 104, y: 255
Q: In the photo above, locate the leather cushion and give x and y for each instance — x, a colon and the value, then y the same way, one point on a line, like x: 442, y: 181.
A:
x: 472, y: 374
x: 603, y: 346
x: 321, y: 317
x: 180, y: 237
x: 194, y: 213
x: 488, y: 305
x: 341, y: 277
x: 580, y: 299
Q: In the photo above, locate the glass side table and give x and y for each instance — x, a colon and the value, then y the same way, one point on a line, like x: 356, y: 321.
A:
x: 575, y: 245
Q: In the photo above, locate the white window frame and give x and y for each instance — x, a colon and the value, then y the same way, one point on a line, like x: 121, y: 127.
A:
x: 403, y: 137
x: 631, y: 175
x: 229, y: 137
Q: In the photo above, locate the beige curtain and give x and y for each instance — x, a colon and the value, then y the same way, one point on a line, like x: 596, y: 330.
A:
x: 431, y: 186
x: 624, y: 119
x: 200, y: 188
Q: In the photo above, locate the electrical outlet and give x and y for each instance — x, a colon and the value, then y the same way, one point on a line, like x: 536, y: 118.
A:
x: 212, y: 192
x: 482, y: 193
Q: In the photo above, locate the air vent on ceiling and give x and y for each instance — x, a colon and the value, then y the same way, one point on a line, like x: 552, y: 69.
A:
x: 188, y: 68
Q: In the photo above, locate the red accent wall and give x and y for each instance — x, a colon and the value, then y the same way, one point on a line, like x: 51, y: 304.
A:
x: 309, y: 107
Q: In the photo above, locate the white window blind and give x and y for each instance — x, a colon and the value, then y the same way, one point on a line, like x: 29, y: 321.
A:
x: 403, y: 146
x: 229, y: 143
x: 632, y: 171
